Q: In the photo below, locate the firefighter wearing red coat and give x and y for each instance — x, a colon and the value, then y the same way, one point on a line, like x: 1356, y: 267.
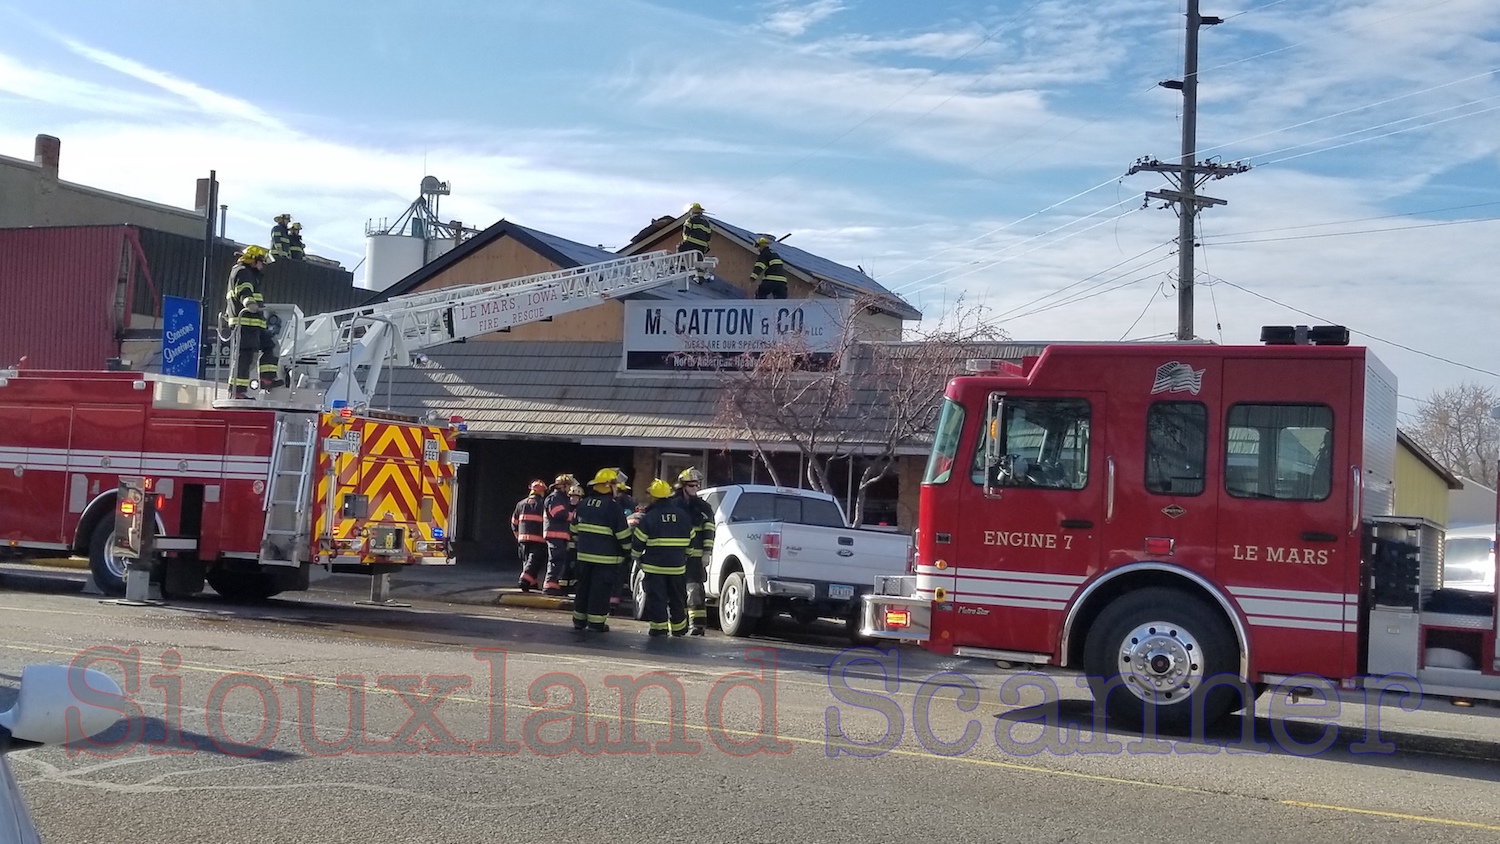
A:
x: 558, y: 516
x: 528, y: 522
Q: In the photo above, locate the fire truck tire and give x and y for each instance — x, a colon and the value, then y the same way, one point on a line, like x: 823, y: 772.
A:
x: 243, y: 586
x: 1171, y: 644
x: 108, y: 570
x: 735, y: 607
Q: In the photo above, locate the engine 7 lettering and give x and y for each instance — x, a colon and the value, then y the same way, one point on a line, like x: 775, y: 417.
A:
x: 1024, y: 539
x: 1274, y: 554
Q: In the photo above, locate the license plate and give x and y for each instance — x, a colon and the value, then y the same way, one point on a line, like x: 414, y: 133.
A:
x: 837, y: 593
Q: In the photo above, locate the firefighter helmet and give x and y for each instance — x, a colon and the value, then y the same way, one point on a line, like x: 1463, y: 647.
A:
x: 762, y: 242
x: 695, y: 208
x: 296, y: 227
x: 605, y: 477
x: 575, y: 489
x: 254, y: 253
x: 689, y: 476
x: 564, y: 481
x: 660, y: 489
x: 538, y: 487
x: 622, y: 480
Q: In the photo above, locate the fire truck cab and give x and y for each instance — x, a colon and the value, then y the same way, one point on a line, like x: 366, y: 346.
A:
x: 1186, y: 524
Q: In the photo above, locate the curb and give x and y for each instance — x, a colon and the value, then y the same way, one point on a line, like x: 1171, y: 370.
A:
x: 61, y: 563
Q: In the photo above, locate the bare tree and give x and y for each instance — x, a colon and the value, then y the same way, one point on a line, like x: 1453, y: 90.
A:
x: 1456, y: 427
x: 861, y: 397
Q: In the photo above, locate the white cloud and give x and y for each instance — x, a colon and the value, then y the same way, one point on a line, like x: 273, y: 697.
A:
x: 792, y: 20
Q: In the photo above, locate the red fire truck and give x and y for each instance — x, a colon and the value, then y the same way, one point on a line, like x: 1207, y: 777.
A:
x: 252, y: 494
x: 1187, y: 525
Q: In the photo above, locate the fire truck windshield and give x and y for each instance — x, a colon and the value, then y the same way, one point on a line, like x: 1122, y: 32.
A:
x: 945, y: 443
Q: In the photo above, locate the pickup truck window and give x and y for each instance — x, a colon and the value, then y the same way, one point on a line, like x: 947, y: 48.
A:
x: 770, y: 507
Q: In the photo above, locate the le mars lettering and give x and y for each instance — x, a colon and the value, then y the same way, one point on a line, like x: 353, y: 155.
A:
x: 1273, y: 554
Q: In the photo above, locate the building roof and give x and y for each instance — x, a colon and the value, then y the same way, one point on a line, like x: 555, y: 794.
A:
x: 565, y: 253
x: 819, y: 268
x: 1428, y: 460
x: 573, y: 391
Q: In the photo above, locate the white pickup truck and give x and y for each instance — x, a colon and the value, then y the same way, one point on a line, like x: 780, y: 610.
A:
x: 782, y: 550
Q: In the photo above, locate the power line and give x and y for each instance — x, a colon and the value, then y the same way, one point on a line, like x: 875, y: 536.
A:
x: 1113, y: 266
x: 1361, y: 231
x: 1150, y: 300
x: 1361, y: 333
x: 1356, y: 220
x: 1382, y: 125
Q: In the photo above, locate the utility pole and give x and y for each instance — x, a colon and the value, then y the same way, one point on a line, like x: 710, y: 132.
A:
x: 1188, y: 175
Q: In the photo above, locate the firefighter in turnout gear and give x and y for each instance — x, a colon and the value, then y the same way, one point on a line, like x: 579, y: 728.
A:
x: 295, y: 249
x: 701, y: 550
x: 601, y: 542
x: 555, y: 530
x: 281, y: 236
x: 632, y: 515
x: 244, y: 308
x: 769, y: 273
x: 696, y: 234
x: 527, y: 521
x: 662, y: 536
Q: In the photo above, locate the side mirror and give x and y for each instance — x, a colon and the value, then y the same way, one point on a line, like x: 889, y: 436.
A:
x: 40, y: 714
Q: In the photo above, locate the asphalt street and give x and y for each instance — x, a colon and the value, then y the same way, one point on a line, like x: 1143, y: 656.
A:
x: 310, y: 718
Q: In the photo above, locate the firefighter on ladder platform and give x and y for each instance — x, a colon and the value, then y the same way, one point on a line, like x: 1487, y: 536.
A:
x: 701, y: 550
x: 696, y: 233
x: 558, y: 518
x: 661, y: 539
x: 527, y: 521
x: 281, y: 236
x: 245, y: 312
x: 601, y: 541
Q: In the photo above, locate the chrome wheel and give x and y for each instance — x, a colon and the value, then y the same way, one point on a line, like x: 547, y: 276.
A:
x: 731, y: 603
x: 1161, y: 662
x: 114, y: 563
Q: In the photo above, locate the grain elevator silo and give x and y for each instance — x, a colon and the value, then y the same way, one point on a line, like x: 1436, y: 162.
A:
x: 395, y: 250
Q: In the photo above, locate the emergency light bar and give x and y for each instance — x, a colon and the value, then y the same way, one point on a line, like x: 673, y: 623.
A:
x: 993, y: 366
x: 1302, y: 335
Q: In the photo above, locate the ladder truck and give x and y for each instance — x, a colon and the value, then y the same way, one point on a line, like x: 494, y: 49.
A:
x: 166, y: 483
x: 1188, y: 526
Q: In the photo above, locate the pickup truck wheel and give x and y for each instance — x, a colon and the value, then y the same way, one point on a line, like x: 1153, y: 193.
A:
x: 638, y: 594
x: 107, y: 568
x: 734, y: 603
x: 243, y: 586
x: 1152, y: 654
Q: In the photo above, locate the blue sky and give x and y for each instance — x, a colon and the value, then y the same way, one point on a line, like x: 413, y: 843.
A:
x: 949, y: 148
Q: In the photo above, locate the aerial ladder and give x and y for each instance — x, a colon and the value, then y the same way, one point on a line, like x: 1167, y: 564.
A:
x: 336, y: 360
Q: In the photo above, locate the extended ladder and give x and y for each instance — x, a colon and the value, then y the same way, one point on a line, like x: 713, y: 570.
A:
x: 286, y: 495
x: 336, y: 347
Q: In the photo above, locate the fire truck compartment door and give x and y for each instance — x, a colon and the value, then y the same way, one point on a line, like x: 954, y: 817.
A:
x: 1285, y: 549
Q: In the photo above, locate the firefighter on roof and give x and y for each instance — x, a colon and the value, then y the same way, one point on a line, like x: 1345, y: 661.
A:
x: 527, y: 522
x: 281, y: 236
x: 294, y: 246
x: 696, y: 234
x: 700, y: 551
x: 661, y: 539
x: 602, y: 541
x: 245, y: 311
x: 769, y: 273
x: 555, y: 529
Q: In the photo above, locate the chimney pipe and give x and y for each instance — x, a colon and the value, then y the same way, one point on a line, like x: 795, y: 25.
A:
x: 48, y: 151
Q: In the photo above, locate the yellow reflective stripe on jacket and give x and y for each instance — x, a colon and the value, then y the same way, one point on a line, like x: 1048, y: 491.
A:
x: 669, y: 570
x: 584, y: 527
x: 599, y: 558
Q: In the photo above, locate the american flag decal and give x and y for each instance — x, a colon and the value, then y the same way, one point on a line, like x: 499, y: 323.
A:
x: 1176, y: 377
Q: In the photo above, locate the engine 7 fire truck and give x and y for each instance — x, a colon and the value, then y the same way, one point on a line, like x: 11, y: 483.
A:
x: 1187, y: 525
x: 251, y: 494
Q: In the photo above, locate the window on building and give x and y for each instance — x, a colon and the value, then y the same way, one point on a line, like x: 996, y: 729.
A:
x: 1279, y: 451
x: 1044, y: 444
x: 1176, y: 448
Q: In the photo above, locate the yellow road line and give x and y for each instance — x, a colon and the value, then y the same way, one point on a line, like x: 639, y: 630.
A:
x: 803, y: 740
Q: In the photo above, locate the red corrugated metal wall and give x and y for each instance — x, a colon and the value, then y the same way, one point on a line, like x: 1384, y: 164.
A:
x: 61, y: 296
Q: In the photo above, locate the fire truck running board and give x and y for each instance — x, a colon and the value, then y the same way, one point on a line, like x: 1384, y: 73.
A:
x: 286, y: 532
x: 1005, y: 656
